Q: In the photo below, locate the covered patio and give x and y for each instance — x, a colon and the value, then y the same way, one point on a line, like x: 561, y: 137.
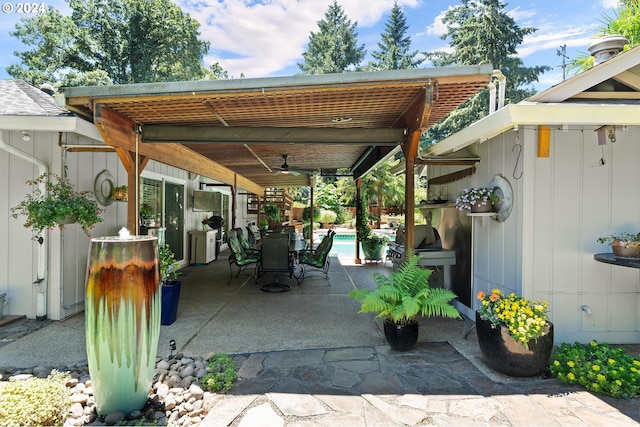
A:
x: 236, y: 132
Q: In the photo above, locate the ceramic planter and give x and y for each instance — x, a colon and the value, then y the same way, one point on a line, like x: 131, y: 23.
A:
x: 122, y: 320
x: 170, y: 299
x: 373, y: 253
x: 620, y: 251
x: 401, y: 337
x: 506, y: 355
x: 481, y: 208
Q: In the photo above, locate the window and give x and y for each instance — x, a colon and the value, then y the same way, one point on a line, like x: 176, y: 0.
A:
x: 162, y: 205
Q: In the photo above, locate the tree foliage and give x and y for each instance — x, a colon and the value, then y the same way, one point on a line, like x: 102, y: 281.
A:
x: 128, y: 41
x: 395, y: 46
x: 334, y: 48
x: 480, y: 32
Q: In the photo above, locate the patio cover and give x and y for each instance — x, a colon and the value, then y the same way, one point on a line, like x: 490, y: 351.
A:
x: 237, y: 131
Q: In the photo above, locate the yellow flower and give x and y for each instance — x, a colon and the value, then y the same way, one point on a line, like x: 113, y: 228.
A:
x: 600, y: 377
x: 571, y: 363
x: 571, y: 376
x: 619, y: 383
x: 496, y: 291
x: 611, y: 361
x: 595, y: 367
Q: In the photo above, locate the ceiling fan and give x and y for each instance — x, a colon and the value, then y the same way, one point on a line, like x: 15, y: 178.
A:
x: 286, y: 170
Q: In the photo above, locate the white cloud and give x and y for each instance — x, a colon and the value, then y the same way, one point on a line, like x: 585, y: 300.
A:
x: 437, y: 27
x: 610, y: 4
x: 260, y: 38
x: 575, y: 36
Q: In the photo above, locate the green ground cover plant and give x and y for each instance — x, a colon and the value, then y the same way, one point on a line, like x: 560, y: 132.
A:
x: 598, y: 367
x: 222, y: 373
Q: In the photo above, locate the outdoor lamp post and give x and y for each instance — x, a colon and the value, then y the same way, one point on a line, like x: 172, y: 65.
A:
x: 122, y: 320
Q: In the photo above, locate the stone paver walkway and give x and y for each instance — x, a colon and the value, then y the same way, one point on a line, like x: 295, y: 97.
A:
x: 374, y: 386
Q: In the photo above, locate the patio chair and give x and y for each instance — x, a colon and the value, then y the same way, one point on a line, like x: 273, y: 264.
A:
x: 318, y: 258
x: 241, y: 258
x: 275, y: 257
x: 248, y: 247
x: 254, y: 235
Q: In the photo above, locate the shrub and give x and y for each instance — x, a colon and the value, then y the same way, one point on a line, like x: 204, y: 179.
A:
x: 35, y: 402
x: 344, y: 216
x: 306, y: 214
x: 222, y: 373
x: 327, y: 216
x: 598, y: 368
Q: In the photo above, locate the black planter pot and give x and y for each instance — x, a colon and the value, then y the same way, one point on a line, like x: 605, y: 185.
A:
x: 401, y: 337
x: 170, y: 299
x: 506, y: 355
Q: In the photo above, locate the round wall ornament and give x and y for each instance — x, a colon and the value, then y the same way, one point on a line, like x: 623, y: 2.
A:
x: 503, y: 189
x: 103, y: 188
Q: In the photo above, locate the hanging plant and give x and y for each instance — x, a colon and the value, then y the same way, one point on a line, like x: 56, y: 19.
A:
x: 59, y: 204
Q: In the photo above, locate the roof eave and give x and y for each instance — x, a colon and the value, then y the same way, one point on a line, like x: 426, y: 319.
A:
x: 51, y: 124
x: 264, y: 83
x: 589, y: 78
x: 524, y: 114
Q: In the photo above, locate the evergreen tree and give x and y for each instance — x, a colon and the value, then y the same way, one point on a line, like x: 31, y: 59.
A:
x: 481, y: 32
x: 333, y: 49
x: 394, y: 48
x: 132, y: 41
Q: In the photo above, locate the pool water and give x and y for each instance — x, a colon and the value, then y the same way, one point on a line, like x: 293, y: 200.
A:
x: 344, y: 246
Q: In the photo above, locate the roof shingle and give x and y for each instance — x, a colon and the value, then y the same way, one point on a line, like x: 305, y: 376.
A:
x: 21, y: 99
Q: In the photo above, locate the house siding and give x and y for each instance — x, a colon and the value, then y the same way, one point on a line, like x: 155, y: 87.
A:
x: 67, y: 250
x: 562, y: 204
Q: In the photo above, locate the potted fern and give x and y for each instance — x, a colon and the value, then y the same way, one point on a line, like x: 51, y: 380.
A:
x: 401, y: 297
x: 55, y: 203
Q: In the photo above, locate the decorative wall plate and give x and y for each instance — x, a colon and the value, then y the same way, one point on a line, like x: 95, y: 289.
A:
x: 103, y: 188
x: 503, y: 188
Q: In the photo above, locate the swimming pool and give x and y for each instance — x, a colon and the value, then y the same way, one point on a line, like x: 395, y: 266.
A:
x: 344, y: 244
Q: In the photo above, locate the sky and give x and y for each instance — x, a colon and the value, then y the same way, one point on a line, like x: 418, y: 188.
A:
x: 266, y: 38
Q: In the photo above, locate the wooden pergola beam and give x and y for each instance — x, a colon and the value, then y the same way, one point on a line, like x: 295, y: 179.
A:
x: 415, y: 118
x: 262, y: 135
x: 120, y: 132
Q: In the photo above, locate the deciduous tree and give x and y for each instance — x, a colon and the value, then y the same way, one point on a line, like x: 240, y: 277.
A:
x: 131, y: 41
